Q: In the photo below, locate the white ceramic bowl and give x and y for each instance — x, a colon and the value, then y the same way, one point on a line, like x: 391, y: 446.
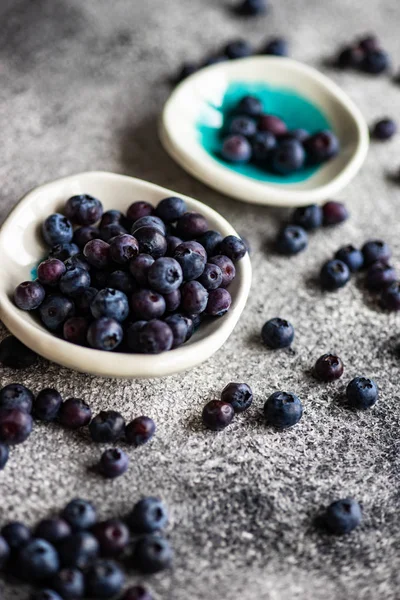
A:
x: 193, y: 97
x: 22, y: 248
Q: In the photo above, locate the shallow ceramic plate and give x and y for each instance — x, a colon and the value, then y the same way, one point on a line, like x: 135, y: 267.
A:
x: 22, y: 248
x: 198, y: 100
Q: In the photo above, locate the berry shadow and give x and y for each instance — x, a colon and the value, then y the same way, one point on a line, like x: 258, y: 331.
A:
x: 370, y: 299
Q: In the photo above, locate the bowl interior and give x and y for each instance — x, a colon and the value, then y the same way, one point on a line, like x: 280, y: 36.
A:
x: 196, y: 107
x: 22, y: 248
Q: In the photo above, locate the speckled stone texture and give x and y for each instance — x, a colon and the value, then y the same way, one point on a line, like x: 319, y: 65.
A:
x: 82, y: 85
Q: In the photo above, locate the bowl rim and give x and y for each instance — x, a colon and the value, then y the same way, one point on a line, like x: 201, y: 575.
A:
x: 245, y: 188
x: 118, y: 364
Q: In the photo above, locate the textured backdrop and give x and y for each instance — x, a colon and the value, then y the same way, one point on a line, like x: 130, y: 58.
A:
x: 81, y: 87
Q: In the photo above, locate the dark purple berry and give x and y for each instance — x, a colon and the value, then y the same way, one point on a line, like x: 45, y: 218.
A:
x: 107, y: 427
x: 64, y: 251
x: 191, y: 225
x: 155, y: 337
x: 15, y: 426
x: 140, y: 431
x: 351, y: 256
x: 57, y: 229
x: 140, y: 209
x: 172, y: 300
x: 75, y: 330
x: 146, y: 305
x: 104, y: 579
x: 262, y: 144
x: 242, y: 125
x: 84, y: 300
x: 328, y: 367
x: 219, y: 302
x: 77, y: 260
x: 334, y: 213
x: 334, y: 274
x: 288, y: 157
x: 152, y: 553
x: 232, y: 247
x: 113, y: 216
x: 283, y: 410
x: 291, y: 240
x: 350, y: 56
x: 273, y: 124
x: 380, y: 275
x: 217, y: 415
x: 113, y: 537
x: 384, y: 129
x: 210, y: 240
x: 55, y: 310
x: 46, y: 406
x: 105, y: 334
x: 113, y: 463
x: 376, y: 250
x: 172, y: 243
x: 171, y: 209
x: 74, y: 281
x: 139, y: 268
x: 238, y: 395
x: 73, y: 414
x: 38, y: 560
x: 110, y: 303
x: 53, y: 530
x: 150, y: 221
x: 211, y: 278
x: 133, y: 335
x: 165, y: 275
x: 83, y: 209
x: 148, y: 516
x: 322, y: 146
x: 375, y: 62
x: 236, y: 149
x: 276, y: 47
x: 191, y: 257
x: 122, y: 281
x: 390, y: 298
x: 181, y: 327
x: 70, y: 583
x: 16, y: 535
x: 308, y: 217
x: 277, y: 333
x: 85, y: 234
x: 16, y: 395
x: 79, y: 550
x: 227, y: 268
x: 15, y: 355
x: 50, y: 271
x: 80, y: 514
x: 151, y: 241
x: 123, y: 248
x: 29, y: 295
x: 111, y: 231
x: 97, y: 253
x: 251, y: 8
x: 194, y: 297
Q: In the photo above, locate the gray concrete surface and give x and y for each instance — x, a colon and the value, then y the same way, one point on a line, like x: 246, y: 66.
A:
x: 82, y: 84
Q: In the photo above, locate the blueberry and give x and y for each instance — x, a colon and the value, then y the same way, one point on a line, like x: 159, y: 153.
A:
x: 375, y: 62
x: 84, y: 300
x: 273, y: 124
x: 45, y: 594
x: 155, y: 337
x: 83, y: 209
x: 242, y: 125
x: 110, y: 303
x: 105, y: 334
x: 384, y: 129
x: 133, y: 335
x: 115, y: 216
x: 350, y: 56
x: 283, y: 409
x: 69, y: 583
x: 172, y: 243
x: 334, y: 213
x: 104, y: 579
x: 149, y: 221
x: 97, y: 253
x: 15, y: 355
x: 217, y: 415
x: 380, y: 275
x: 151, y: 241
x: 74, y: 413
x: 292, y: 239
x: 15, y: 425
x: 74, y: 281
x: 122, y: 281
x: 191, y: 225
x: 171, y: 209
x: 123, y: 248
x: 4, y: 454
x: 289, y: 156
x: 55, y: 310
x: 50, y: 271
x: 328, y: 367
x: 236, y: 149
x: 187, y: 69
x: 140, y: 431
x: 391, y: 297
x: 148, y: 515
x: 83, y: 235
x: 111, y: 231
x: 64, y: 251
x: 298, y: 134
x: 79, y: 550
x: 29, y: 295
x: 137, y: 592
x: 172, y: 300
x: 218, y: 303
x: 250, y: 106
x: 238, y: 49
x: 113, y: 537
x: 80, y: 514
x: 276, y: 47
x: 16, y: 395
x: 146, y: 305
x: 46, y: 406
x: 262, y: 145
x: 369, y: 42
x: 251, y: 8
x: 376, y: 250
x: 75, y: 330
x: 194, y: 297
x: 16, y: 535
x: 180, y: 326
x: 108, y: 426
x: 4, y: 552
x: 239, y: 395
x: 227, y: 268
x: 211, y: 278
x: 334, y: 274
x: 342, y: 516
x: 351, y: 256
x: 53, y: 530
x: 308, y: 217
x: 38, y: 560
x: 232, y: 247
x: 322, y: 146
x: 277, y: 333
x: 210, y: 240
x: 57, y: 229
x: 362, y: 393
x: 77, y: 260
x: 140, y: 209
x: 191, y: 257
x: 139, y: 268
x: 165, y: 275
x: 113, y: 463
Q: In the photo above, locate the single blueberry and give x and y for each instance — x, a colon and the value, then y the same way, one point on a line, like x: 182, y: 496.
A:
x: 194, y: 297
x: 122, y: 281
x: 250, y: 106
x: 334, y: 274
x: 105, y: 334
x: 97, y: 253
x: 16, y: 395
x: 390, y: 298
x: 106, y: 427
x: 172, y: 300
x: 46, y: 406
x: 104, y: 579
x: 210, y: 240
x: 15, y: 355
x: 242, y: 125
x: 57, y: 229
x: 148, y: 515
x: 172, y: 243
x: 4, y: 454
x: 276, y: 47
x: 342, y: 516
x: 292, y: 239
x: 114, y: 216
x: 369, y: 42
x: 79, y: 550
x: 375, y: 62
x: 232, y: 247
x: 55, y: 310
x: 50, y: 270
x: 38, y: 560
x: 236, y: 149
x: 149, y: 221
x: 218, y: 303
x: 181, y: 327
x: 53, y: 530
x: 113, y: 537
x: 15, y: 426
x: 376, y: 250
x: 283, y: 409
x: 151, y: 241
x: 380, y: 275
x: 251, y: 8
x: 165, y: 275
x: 227, y: 268
x: 140, y: 431
x: 74, y: 281
x: 308, y: 217
x: 69, y: 583
x: 123, y: 248
x: 362, y: 393
x: 217, y: 415
x: 152, y: 553
x: 83, y: 235
x: 64, y: 251
x: 272, y: 124
x: 155, y: 337
x: 238, y: 49
x: 191, y: 225
x: 328, y: 367
x: 277, y: 333
x: 16, y: 535
x: 351, y: 256
x: 139, y: 209
x: 74, y: 413
x: 77, y: 260
x: 262, y: 145
x: 139, y: 268
x: 29, y: 295
x: 289, y: 156
x: 384, y: 129
x: 111, y: 231
x: 83, y: 209
x: 110, y: 303
x: 191, y: 257
x: 171, y: 209
x: 75, y: 330
x: 349, y: 56
x: 80, y: 514
x: 239, y: 395
x: 113, y: 463
x: 146, y: 305
x: 211, y: 278
x: 322, y: 146
x: 334, y: 213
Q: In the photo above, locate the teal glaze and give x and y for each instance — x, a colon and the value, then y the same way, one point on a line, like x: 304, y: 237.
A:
x: 296, y: 110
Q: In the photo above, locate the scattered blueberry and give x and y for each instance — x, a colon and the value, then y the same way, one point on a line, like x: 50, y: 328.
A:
x: 15, y: 355
x: 29, y: 295
x: 384, y: 129
x: 16, y: 535
x: 80, y: 514
x: 342, y: 516
x: 113, y: 537
x: 218, y: 303
x: 334, y: 213
x: 251, y: 8
x: 69, y: 583
x: 217, y: 415
x: 57, y: 229
x: 376, y: 250
x: 283, y: 409
x: 15, y: 426
x: 106, y: 427
x: 351, y: 256
x: 104, y: 579
x: 83, y: 209
x: 277, y: 333
x: 380, y: 275
x: 334, y: 274
x: 140, y: 431
x: 79, y: 550
x: 171, y: 209
x: 113, y: 463
x: 328, y: 367
x: 16, y: 395
x: 152, y: 553
x: 55, y: 310
x: 185, y: 71
x: 276, y: 47
x: 375, y: 62
x: 350, y: 56
x: 362, y: 393
x: 308, y: 217
x: 238, y: 49
x: 292, y: 239
x: 38, y: 560
x: 53, y: 530
x: 74, y: 413
x: 391, y: 297
x: 50, y: 271
x: 239, y: 395
x: 4, y: 454
x: 46, y: 405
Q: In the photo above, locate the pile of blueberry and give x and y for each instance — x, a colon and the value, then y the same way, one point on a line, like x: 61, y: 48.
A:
x: 251, y: 135
x: 293, y: 238
x: 73, y: 555
x: 380, y: 278
x: 365, y: 54
x: 140, y: 282
x: 276, y: 46
x: 18, y: 407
